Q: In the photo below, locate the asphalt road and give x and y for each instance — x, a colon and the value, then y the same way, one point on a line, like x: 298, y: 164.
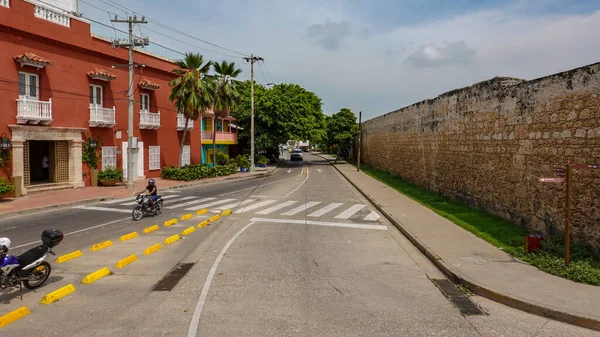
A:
x: 302, y: 254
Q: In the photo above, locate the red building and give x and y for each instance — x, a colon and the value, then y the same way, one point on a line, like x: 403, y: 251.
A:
x: 58, y: 85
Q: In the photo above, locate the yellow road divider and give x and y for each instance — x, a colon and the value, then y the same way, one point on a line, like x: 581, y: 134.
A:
x: 13, y: 316
x: 70, y: 256
x: 150, y: 229
x: 152, y: 249
x: 101, y: 245
x: 186, y: 216
x: 126, y: 261
x: 188, y: 231
x: 202, y: 211
x: 172, y: 239
x: 214, y: 218
x: 129, y: 236
x: 226, y: 213
x: 170, y: 222
x: 95, y: 276
x: 58, y: 294
x: 203, y: 223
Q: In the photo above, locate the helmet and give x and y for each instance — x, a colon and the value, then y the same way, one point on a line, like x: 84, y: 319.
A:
x: 151, y: 182
x: 4, y: 244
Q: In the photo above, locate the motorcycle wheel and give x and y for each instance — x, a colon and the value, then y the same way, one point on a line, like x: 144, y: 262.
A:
x: 158, y: 209
x: 137, y: 213
x: 41, y: 274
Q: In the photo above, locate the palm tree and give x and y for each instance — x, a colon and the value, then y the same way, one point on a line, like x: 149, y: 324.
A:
x: 191, y: 91
x: 226, y: 94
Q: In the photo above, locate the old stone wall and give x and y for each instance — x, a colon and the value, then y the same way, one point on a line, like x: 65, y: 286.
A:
x: 488, y: 144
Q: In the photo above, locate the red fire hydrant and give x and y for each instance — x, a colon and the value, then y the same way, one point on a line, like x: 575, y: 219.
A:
x: 533, y: 242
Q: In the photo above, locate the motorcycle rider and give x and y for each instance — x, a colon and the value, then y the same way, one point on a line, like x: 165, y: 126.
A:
x: 151, y: 188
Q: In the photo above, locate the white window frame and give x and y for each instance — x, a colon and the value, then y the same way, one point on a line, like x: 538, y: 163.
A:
x: 186, y: 158
x: 109, y: 157
x: 94, y: 97
x: 153, y: 158
x: 28, y: 84
x: 144, y: 102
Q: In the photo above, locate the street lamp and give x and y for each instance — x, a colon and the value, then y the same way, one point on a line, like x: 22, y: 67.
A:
x: 5, y: 144
x: 93, y: 143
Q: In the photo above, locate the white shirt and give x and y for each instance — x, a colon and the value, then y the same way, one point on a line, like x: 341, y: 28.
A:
x: 45, y: 162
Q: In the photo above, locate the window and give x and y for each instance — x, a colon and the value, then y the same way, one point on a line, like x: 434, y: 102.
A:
x: 95, y: 95
x: 185, y: 158
x: 144, y: 102
x: 109, y: 157
x: 154, y: 158
x: 29, y: 85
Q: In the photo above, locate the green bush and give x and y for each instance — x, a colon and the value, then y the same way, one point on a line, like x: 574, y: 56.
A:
x: 6, y: 186
x: 242, y: 161
x: 111, y: 173
x: 197, y: 172
x: 260, y: 159
x: 222, y: 158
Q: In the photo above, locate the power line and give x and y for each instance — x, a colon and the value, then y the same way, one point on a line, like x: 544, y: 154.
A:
x: 268, y: 72
x: 263, y: 74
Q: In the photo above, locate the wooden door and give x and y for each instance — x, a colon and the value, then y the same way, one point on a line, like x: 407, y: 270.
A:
x: 61, y: 161
x: 26, y: 165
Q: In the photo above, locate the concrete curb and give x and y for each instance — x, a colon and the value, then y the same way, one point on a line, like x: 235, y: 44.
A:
x: 6, y: 215
x: 511, y: 301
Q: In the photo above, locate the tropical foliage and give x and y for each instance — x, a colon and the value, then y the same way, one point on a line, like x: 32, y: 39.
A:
x: 341, y: 130
x: 226, y: 95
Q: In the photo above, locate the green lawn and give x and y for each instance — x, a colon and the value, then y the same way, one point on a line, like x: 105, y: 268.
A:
x: 584, y: 266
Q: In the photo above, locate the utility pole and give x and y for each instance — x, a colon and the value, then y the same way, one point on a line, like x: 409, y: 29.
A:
x: 130, y: 44
x: 252, y: 59
x: 359, y: 139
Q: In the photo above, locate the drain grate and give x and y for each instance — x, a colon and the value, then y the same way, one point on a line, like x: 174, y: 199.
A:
x: 457, y: 297
x: 169, y: 281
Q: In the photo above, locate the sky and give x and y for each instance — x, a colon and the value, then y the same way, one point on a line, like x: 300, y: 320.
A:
x: 374, y: 56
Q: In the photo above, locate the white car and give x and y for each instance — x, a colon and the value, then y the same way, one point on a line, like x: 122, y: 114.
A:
x: 296, y: 155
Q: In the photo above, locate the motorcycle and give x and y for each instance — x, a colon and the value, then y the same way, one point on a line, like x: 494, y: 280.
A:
x: 28, y: 269
x: 143, y: 206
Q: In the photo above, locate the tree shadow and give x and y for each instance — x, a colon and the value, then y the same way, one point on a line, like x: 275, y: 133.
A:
x: 13, y: 293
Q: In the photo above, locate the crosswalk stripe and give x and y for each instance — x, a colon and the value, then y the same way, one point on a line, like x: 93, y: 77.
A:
x: 373, y: 216
x: 301, y: 208
x: 133, y: 203
x: 350, y: 211
x: 115, y: 201
x: 197, y: 207
x: 235, y: 204
x: 193, y: 202
x: 326, y: 209
x: 255, y: 206
x: 104, y: 209
x: 276, y: 207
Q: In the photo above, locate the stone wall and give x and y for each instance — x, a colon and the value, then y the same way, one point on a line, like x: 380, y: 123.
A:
x: 488, y: 144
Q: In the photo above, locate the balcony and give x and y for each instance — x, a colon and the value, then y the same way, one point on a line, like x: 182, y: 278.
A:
x: 149, y: 120
x: 221, y: 137
x: 5, y: 3
x: 181, y: 123
x: 102, y: 117
x: 52, y: 16
x: 31, y: 111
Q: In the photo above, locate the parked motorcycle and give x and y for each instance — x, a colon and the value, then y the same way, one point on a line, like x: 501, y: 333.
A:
x: 30, y: 269
x: 143, y: 206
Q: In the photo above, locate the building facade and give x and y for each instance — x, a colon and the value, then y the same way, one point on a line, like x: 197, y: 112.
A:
x: 60, y: 85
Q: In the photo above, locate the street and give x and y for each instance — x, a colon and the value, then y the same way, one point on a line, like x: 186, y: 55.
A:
x: 303, y: 253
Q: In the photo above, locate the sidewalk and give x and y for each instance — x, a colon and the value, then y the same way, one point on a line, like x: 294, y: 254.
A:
x: 466, y: 259
x: 38, y: 202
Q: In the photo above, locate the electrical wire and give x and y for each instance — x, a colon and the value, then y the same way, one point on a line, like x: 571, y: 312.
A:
x: 268, y: 72
x: 263, y: 74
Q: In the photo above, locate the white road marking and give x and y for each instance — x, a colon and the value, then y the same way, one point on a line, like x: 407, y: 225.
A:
x: 326, y: 209
x: 193, y: 202
x: 193, y: 329
x: 105, y: 209
x: 350, y: 211
x: 301, y: 208
x: 235, y: 204
x: 276, y: 207
x: 218, y: 202
x: 255, y: 187
x: 7, y: 228
x: 320, y: 223
x: 75, y: 232
x: 319, y: 170
x: 116, y: 201
x: 255, y: 206
x: 289, y: 171
x: 133, y: 203
x: 305, y: 179
x: 373, y: 216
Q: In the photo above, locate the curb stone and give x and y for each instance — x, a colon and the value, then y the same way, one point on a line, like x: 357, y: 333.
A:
x: 511, y: 301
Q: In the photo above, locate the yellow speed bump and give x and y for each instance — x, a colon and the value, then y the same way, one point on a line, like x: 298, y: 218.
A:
x: 152, y: 249
x: 13, y: 316
x: 188, y: 231
x: 70, y: 256
x: 101, y: 245
x: 170, y: 222
x: 186, y: 216
x: 214, y: 218
x: 203, y: 223
x: 129, y: 236
x: 172, y: 239
x: 95, y: 276
x: 58, y: 294
x: 126, y: 261
x: 150, y: 229
x: 226, y: 213
x: 202, y: 211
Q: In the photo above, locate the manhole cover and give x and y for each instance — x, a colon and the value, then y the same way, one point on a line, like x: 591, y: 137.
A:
x: 169, y: 281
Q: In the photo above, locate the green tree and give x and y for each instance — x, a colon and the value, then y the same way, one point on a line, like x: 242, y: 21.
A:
x: 226, y: 95
x: 341, y: 130
x: 191, y: 91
